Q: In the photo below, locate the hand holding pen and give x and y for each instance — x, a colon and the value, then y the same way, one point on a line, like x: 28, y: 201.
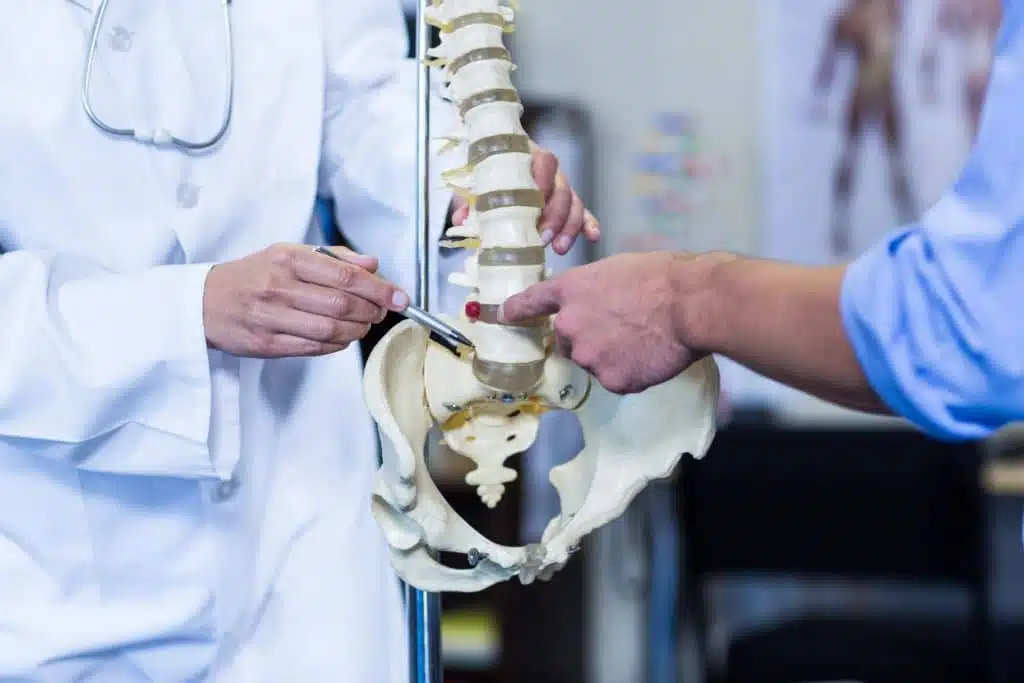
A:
x: 441, y: 331
x: 287, y: 300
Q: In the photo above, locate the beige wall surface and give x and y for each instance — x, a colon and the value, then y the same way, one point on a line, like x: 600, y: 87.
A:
x: 635, y: 60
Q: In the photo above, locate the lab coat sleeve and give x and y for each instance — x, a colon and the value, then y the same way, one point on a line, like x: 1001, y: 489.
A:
x: 934, y: 312
x: 107, y: 371
x: 368, y: 164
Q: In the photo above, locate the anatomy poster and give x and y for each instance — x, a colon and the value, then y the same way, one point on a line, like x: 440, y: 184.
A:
x: 869, y: 111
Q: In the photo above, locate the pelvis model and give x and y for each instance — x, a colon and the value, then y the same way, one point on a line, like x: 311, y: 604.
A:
x: 487, y: 403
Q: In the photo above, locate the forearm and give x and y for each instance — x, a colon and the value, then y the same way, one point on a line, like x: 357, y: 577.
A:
x: 89, y: 357
x: 780, y: 320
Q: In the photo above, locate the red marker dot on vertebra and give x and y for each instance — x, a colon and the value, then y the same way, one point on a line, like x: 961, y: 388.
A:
x: 472, y: 310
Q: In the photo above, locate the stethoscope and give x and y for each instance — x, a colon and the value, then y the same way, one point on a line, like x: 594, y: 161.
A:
x: 161, y: 137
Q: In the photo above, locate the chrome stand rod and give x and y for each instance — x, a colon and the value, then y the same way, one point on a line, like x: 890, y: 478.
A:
x: 423, y: 610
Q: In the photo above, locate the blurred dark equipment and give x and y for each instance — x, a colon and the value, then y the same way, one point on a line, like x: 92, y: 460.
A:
x: 860, y: 508
x: 1004, y: 485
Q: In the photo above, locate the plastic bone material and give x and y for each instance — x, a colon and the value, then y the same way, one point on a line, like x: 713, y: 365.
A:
x: 487, y: 403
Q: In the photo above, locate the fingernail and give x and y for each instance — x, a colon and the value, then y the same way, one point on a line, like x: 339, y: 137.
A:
x: 546, y: 236
x: 563, y: 243
x: 400, y: 300
x: 501, y: 313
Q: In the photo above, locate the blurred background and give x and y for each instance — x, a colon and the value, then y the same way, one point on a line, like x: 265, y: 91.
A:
x: 811, y: 544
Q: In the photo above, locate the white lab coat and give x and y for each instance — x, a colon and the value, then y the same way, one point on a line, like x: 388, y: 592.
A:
x: 168, y: 513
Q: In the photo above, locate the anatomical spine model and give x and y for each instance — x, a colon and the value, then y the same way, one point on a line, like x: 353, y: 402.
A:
x: 487, y: 402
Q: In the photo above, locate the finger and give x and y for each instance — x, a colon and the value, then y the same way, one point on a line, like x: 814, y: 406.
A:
x: 314, y: 328
x: 573, y: 225
x: 288, y: 346
x: 539, y: 300
x: 332, y: 303
x: 545, y: 171
x: 591, y: 226
x: 460, y: 214
x: 364, y: 261
x: 347, y: 277
x: 556, y: 210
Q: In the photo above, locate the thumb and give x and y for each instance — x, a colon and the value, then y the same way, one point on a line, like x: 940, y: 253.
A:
x: 539, y: 300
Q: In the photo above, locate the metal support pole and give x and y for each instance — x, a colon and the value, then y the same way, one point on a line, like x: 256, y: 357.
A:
x: 423, y: 610
x: 663, y: 597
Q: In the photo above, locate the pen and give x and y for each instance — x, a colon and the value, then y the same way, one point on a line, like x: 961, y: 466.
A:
x: 447, y: 333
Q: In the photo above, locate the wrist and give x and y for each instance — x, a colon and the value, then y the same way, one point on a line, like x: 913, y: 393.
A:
x: 697, y: 308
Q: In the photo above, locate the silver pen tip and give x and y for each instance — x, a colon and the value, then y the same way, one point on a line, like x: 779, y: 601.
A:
x: 464, y: 340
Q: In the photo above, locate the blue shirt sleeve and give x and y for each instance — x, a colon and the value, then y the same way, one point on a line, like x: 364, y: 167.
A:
x: 935, y: 313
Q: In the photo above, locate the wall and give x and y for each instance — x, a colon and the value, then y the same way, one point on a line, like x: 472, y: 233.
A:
x: 637, y: 59
x: 634, y: 60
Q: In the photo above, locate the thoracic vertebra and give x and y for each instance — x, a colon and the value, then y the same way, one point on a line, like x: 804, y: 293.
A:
x: 497, y: 179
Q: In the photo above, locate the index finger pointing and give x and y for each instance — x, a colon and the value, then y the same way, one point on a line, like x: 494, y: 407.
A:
x: 539, y: 300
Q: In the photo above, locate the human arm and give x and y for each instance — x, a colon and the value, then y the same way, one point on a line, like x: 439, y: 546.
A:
x: 92, y: 360
x: 942, y: 24
x: 780, y: 320
x: 825, y: 73
x: 635, y: 320
x: 930, y: 314
x: 923, y: 326
x: 116, y: 372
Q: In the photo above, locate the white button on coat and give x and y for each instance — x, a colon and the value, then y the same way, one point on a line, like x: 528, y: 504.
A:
x: 120, y: 39
x: 117, y: 563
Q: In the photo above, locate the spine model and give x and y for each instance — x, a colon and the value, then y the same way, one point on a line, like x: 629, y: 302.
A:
x: 488, y: 403
x: 507, y: 254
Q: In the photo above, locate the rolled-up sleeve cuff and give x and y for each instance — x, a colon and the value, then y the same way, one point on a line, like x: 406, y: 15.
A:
x: 873, y: 306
